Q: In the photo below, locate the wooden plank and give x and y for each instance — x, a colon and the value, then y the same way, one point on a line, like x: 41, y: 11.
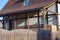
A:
x: 20, y: 34
x: 47, y: 16
x: 14, y: 25
x: 14, y: 22
x: 28, y: 27
x: 6, y: 22
x: 6, y: 27
x: 49, y: 5
x: 57, y: 15
x: 38, y: 21
x: 44, y: 13
x: 28, y: 20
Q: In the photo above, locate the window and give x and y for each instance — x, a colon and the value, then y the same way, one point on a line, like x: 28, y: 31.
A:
x: 26, y: 2
x: 52, y: 20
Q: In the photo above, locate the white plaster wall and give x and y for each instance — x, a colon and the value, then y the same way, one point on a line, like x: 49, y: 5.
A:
x: 32, y: 21
x: 59, y: 15
x: 52, y: 8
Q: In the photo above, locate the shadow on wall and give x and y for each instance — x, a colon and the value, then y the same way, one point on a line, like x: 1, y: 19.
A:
x: 43, y: 34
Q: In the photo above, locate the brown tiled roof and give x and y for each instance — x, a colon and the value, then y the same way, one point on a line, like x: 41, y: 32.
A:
x: 13, y: 6
x: 10, y: 3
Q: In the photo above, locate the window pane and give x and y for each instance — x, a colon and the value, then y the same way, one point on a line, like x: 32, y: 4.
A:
x: 26, y: 2
x: 52, y: 20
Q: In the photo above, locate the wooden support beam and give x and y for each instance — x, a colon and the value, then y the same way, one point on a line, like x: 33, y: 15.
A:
x: 49, y: 5
x: 57, y: 15
x: 25, y: 21
x: 14, y: 21
x: 14, y: 26
x: 28, y: 20
x: 48, y: 11
x: 6, y: 26
x: 3, y: 22
x: 38, y: 21
x: 47, y: 17
x: 6, y: 22
x: 44, y: 13
x: 27, y: 15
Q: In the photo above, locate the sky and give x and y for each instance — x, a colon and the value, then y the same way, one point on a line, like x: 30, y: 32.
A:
x: 2, y: 4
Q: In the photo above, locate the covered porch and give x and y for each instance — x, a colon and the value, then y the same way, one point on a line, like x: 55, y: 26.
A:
x: 27, y: 22
x: 32, y: 19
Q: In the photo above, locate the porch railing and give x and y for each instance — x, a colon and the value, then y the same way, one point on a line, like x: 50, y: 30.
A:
x: 19, y: 34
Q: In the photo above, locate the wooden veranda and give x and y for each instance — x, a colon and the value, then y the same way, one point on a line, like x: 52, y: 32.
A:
x: 11, y: 31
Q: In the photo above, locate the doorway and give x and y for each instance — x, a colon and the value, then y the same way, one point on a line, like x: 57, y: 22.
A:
x: 11, y: 24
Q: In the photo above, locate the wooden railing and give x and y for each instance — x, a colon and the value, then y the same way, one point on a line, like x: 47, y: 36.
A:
x: 23, y: 34
x: 19, y: 34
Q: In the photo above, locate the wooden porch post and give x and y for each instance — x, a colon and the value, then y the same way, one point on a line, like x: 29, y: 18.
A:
x: 6, y: 22
x: 6, y: 26
x: 14, y: 22
x: 47, y: 16
x: 38, y: 21
x: 44, y: 22
x: 57, y: 15
x: 14, y: 26
x: 3, y: 22
x: 28, y: 26
x: 28, y: 20
x: 44, y: 13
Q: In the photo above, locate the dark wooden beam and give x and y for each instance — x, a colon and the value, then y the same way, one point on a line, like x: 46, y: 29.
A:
x: 25, y: 21
x: 28, y: 20
x: 6, y: 22
x: 57, y: 15
x: 38, y: 21
x: 14, y: 21
x: 47, y: 16
x: 3, y: 22
x: 14, y: 26
x: 44, y: 15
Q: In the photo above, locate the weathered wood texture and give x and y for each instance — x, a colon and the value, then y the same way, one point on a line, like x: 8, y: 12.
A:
x: 24, y: 34
x: 20, y: 34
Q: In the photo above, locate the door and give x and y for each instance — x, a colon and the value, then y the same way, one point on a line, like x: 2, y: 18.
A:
x: 11, y: 24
